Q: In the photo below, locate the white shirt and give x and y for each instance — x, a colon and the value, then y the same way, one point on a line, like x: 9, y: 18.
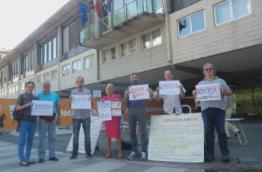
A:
x: 171, y: 102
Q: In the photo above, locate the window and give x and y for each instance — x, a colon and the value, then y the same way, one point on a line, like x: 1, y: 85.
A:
x: 88, y: 61
x: 46, y: 76
x: 26, y: 65
x: 54, y: 48
x: 76, y: 66
x: 230, y: 10
x: 156, y: 38
x: 53, y: 75
x: 109, y: 54
x: 15, y: 71
x: 152, y: 39
x: 71, y: 35
x: 191, y: 24
x: 48, y: 50
x: 128, y: 47
x: 66, y: 69
x: 39, y: 78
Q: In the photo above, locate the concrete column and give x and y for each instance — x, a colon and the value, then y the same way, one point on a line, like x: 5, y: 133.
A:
x: 59, y: 54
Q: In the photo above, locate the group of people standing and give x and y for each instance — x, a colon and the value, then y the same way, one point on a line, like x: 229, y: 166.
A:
x: 213, y: 113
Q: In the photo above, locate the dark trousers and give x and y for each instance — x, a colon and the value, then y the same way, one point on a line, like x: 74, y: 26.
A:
x: 137, y: 114
x: 214, y: 118
x: 86, y: 127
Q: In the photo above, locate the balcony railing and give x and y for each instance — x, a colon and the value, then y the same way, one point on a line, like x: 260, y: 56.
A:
x: 120, y: 16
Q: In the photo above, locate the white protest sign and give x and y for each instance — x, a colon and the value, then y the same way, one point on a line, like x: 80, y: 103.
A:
x: 116, y: 108
x: 169, y: 87
x: 139, y: 92
x: 104, y: 110
x: 81, y: 102
x: 42, y: 108
x: 95, y: 128
x: 208, y: 92
x: 176, y: 138
x: 97, y: 93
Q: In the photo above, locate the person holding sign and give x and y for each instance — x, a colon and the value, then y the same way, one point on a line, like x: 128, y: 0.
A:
x: 137, y: 113
x: 213, y: 111
x: 113, y: 126
x: 81, y: 115
x: 47, y: 124
x: 171, y: 92
x: 27, y: 124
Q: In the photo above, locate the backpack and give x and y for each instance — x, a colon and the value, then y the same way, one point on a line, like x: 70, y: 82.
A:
x: 18, y: 115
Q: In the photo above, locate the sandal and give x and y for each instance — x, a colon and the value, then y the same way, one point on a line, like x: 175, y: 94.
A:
x: 119, y: 156
x: 109, y: 155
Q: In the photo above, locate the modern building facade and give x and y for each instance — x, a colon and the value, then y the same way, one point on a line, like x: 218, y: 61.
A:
x: 142, y: 36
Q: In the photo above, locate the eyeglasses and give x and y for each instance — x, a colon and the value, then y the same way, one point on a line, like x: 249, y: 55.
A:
x: 208, y: 69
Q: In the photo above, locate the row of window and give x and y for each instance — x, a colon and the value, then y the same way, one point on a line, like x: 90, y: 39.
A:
x: 149, y: 40
x: 224, y: 12
x: 48, y: 51
x: 77, y: 65
x: 11, y: 90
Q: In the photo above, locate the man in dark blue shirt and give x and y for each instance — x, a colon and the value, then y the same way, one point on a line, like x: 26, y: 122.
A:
x: 136, y: 113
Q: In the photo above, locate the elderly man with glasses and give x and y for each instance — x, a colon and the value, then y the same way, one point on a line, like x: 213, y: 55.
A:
x: 213, y: 113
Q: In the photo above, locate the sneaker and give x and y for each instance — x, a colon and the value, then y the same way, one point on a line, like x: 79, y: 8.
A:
x: 24, y: 163
x: 53, y: 159
x: 143, y: 156
x: 73, y: 157
x: 209, y: 159
x: 225, y: 159
x: 40, y: 161
x: 89, y: 155
x: 132, y: 156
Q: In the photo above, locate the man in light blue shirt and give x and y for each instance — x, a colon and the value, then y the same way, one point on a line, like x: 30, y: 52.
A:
x: 47, y: 124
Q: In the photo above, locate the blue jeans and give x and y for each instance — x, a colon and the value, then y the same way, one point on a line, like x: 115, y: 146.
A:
x: 26, y: 138
x: 214, y: 118
x: 50, y: 128
x: 86, y: 127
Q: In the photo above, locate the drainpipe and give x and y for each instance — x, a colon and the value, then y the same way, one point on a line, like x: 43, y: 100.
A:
x: 168, y: 32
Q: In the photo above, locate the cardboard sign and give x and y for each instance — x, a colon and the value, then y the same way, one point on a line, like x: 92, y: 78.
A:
x: 104, y: 110
x: 176, y: 138
x: 169, y: 87
x: 81, y: 102
x: 139, y: 92
x: 95, y: 128
x: 208, y: 92
x: 116, y: 108
x: 42, y: 108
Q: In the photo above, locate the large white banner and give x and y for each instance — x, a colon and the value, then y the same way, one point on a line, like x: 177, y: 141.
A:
x: 169, y: 87
x: 176, y: 138
x: 81, y: 102
x: 42, y: 108
x: 95, y: 128
x: 104, y: 110
x: 208, y: 92
x: 139, y: 92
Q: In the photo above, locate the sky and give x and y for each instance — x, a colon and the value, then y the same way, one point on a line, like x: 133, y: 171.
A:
x: 19, y: 18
